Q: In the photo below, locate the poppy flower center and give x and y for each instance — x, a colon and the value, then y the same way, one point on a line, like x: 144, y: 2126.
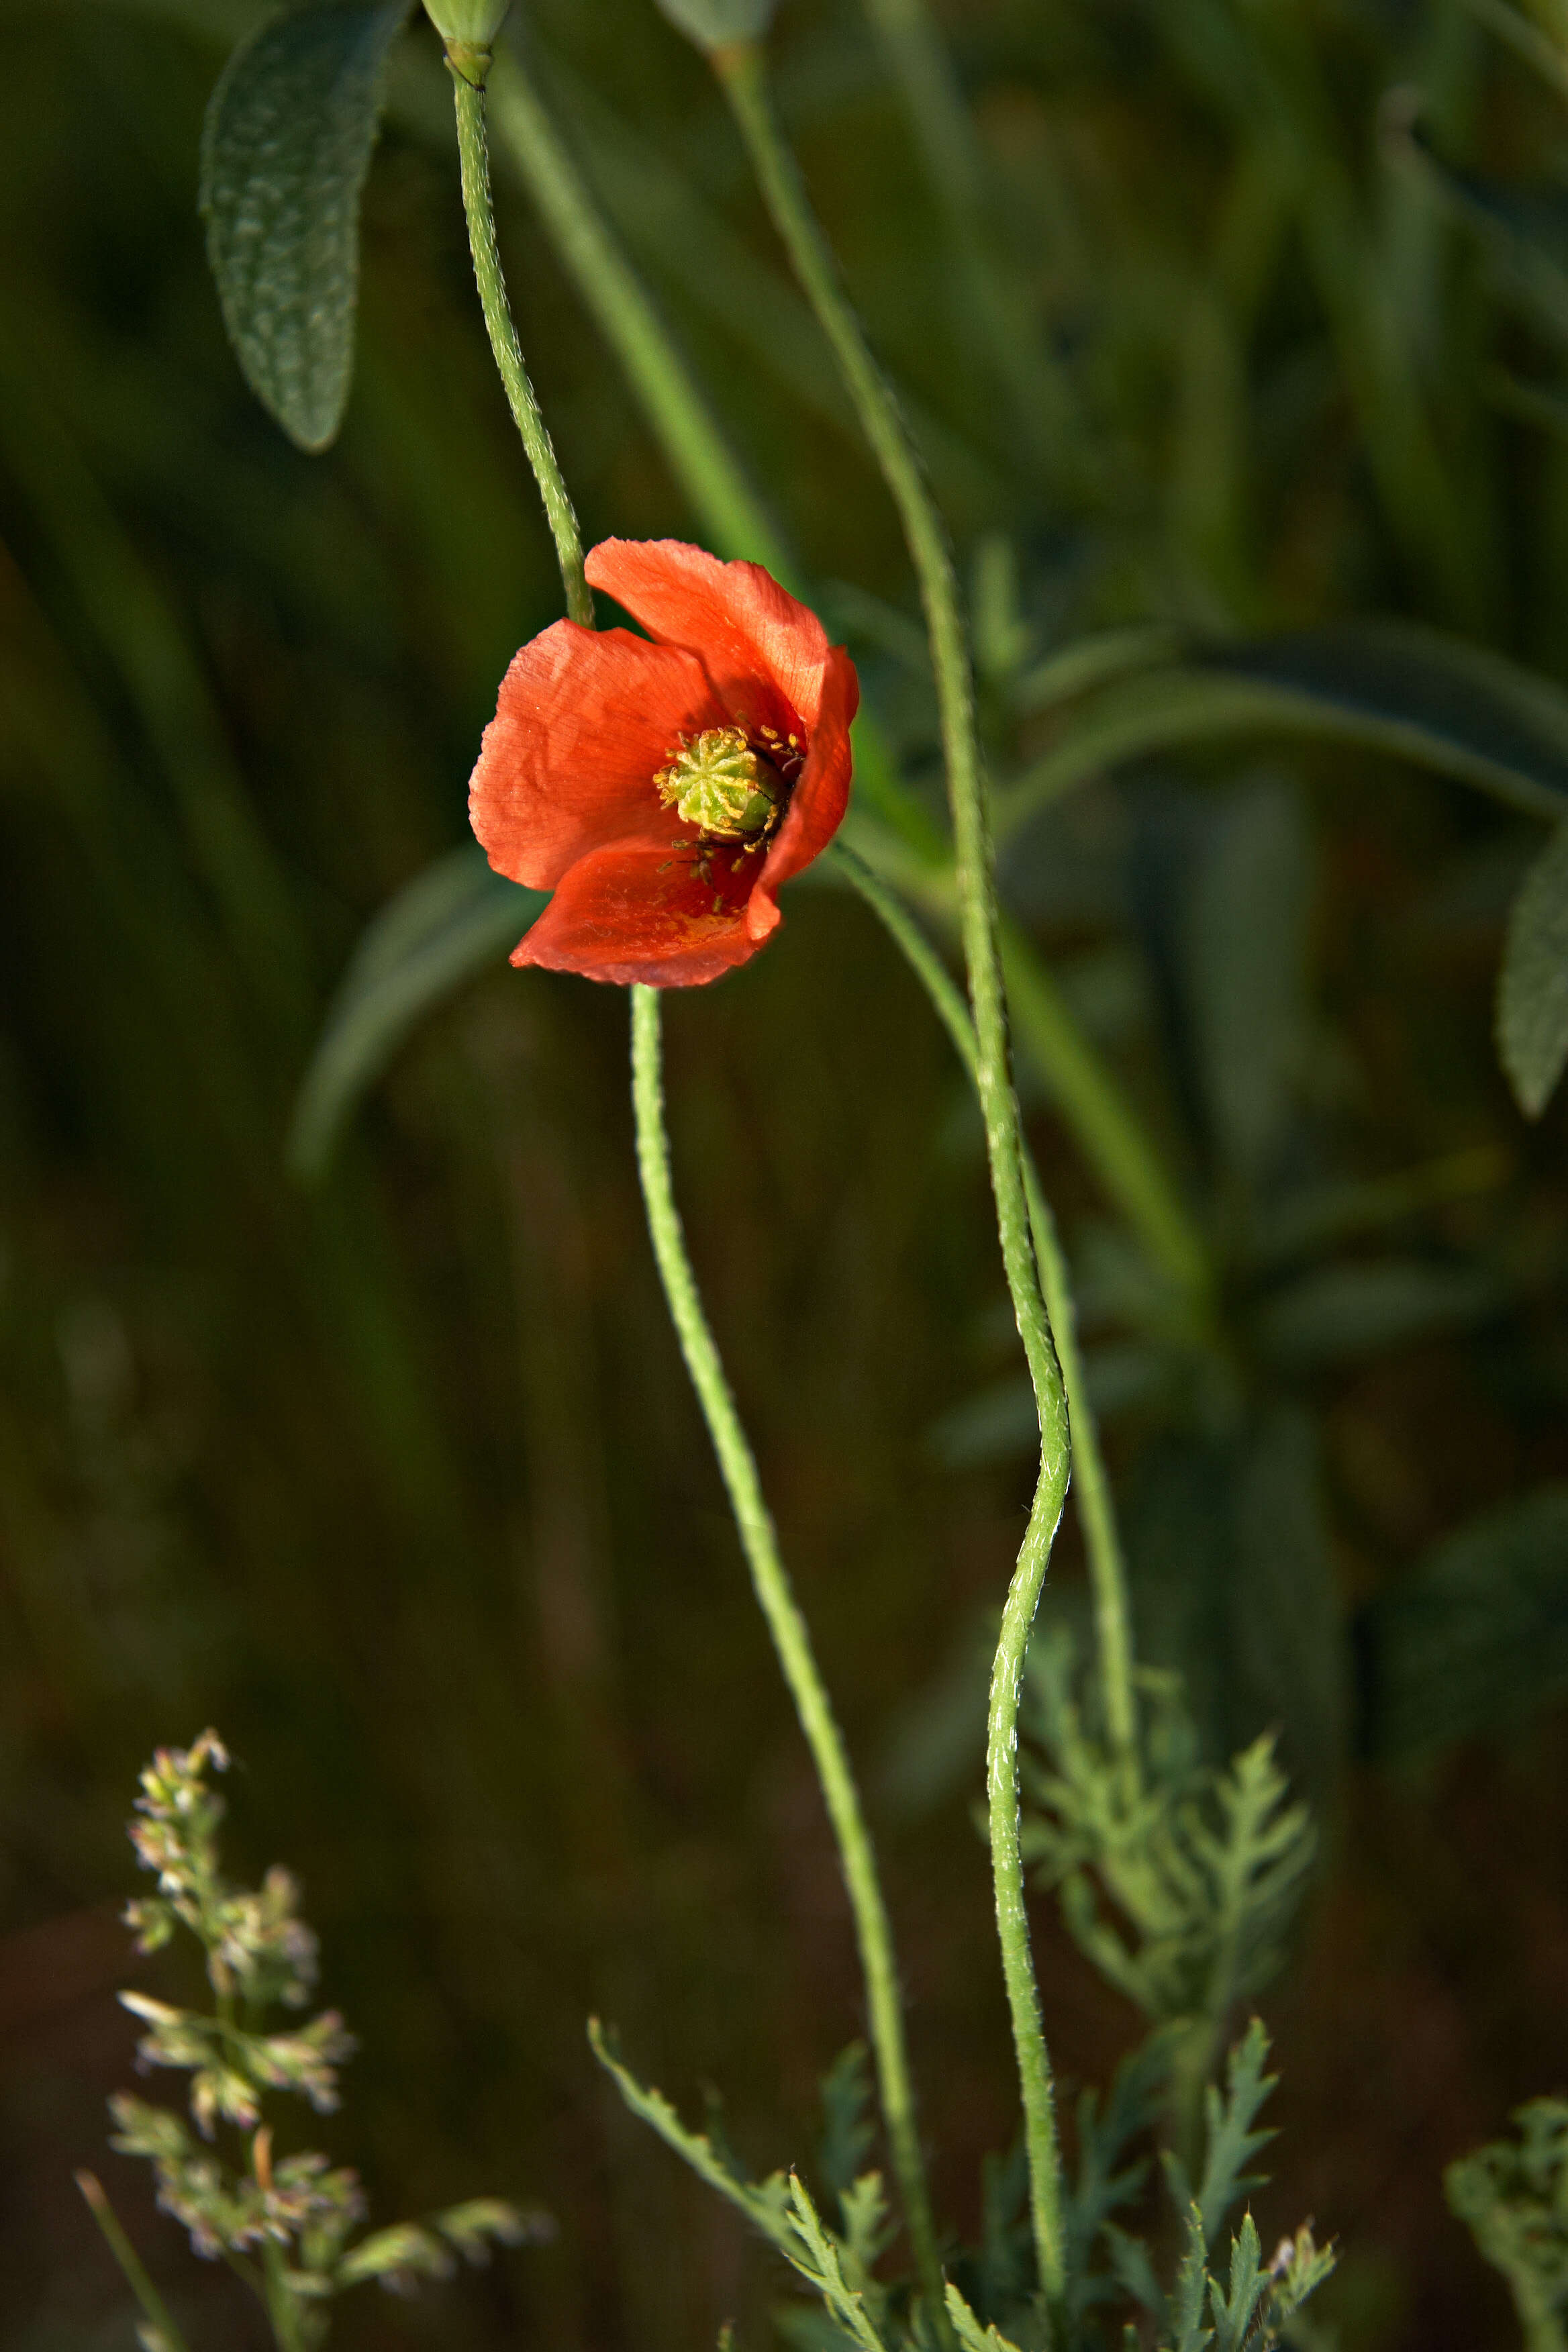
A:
x: 719, y: 782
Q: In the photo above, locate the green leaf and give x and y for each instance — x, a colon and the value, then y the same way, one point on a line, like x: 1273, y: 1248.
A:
x: 1297, y: 2272
x: 972, y: 2336
x: 847, y: 2131
x: 1104, y: 2135
x: 1533, y: 985
x: 1234, y: 2311
x: 1476, y: 1637
x: 868, y: 2227
x: 822, y: 2266
x: 440, y: 929
x: 1232, y: 2141
x: 766, y: 2204
x: 1383, y: 687
x: 1513, y: 2196
x: 1191, y: 2293
x: 284, y: 150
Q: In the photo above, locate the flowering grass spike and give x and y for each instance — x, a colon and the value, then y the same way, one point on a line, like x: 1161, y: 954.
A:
x: 287, y: 2221
x: 666, y: 791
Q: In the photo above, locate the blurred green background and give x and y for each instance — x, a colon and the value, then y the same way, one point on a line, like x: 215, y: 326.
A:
x: 399, y: 1483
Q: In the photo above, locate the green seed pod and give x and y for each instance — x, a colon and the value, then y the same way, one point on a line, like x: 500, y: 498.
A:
x: 467, y: 26
x: 720, y: 23
x: 719, y: 785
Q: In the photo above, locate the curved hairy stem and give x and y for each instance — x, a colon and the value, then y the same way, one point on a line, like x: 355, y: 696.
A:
x: 1102, y: 1540
x: 743, y: 73
x: 791, y: 1637
x: 480, y: 213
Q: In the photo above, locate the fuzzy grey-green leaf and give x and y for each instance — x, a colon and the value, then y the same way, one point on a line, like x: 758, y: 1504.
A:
x: 1532, y: 986
x: 285, y: 149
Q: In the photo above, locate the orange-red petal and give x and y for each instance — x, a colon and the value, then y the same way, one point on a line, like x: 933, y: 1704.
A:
x: 818, y: 802
x: 631, y: 912
x: 735, y: 615
x: 585, y: 721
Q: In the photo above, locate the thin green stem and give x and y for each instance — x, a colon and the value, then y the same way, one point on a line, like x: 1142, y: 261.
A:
x: 791, y: 1637
x: 480, y: 212
x: 743, y: 73
x: 131, y: 2267
x: 283, y: 2305
x: 1102, y: 1540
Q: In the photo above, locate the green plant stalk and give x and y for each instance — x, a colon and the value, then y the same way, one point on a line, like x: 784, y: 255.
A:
x: 283, y: 2305
x: 132, y: 2268
x: 743, y: 73
x: 733, y: 515
x: 1104, y: 1123
x: 791, y: 1637
x: 1103, y: 1542
x: 480, y: 213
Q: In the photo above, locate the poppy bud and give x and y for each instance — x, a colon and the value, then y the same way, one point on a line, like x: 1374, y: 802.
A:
x: 718, y: 24
x: 468, y: 28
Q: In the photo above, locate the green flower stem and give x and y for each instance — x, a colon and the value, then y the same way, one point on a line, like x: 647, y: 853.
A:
x: 736, y: 523
x: 1085, y: 1092
x: 480, y: 213
x: 131, y: 2267
x: 1102, y: 1540
x: 743, y: 73
x: 792, y: 1639
x: 733, y: 515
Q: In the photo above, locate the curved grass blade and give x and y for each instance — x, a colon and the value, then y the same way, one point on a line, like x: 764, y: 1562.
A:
x: 285, y: 149
x: 439, y: 930
x: 1412, y: 692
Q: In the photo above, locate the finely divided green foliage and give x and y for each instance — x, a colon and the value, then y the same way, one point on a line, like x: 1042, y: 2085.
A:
x: 1231, y: 2143
x: 838, y: 2266
x: 1533, y: 985
x: 991, y: 2302
x: 1513, y: 2196
x: 286, y: 147
x: 1180, y: 1884
x: 1249, y: 2302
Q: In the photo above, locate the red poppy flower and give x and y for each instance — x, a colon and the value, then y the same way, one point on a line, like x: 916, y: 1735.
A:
x: 664, y: 791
